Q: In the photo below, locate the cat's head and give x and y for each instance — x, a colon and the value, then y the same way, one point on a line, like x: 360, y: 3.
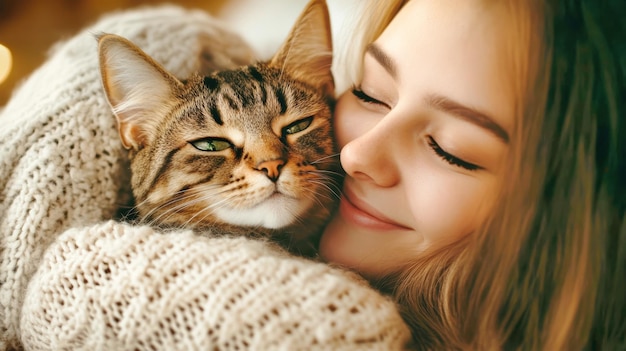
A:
x: 250, y: 147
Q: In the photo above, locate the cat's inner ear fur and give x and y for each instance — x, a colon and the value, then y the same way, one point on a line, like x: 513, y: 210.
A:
x: 138, y: 89
x: 307, y: 54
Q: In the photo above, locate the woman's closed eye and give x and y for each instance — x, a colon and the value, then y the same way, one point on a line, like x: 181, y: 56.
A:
x: 361, y: 95
x: 451, y: 159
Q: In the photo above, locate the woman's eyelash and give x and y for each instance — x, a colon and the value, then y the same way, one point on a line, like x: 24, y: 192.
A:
x: 366, y: 98
x: 451, y: 159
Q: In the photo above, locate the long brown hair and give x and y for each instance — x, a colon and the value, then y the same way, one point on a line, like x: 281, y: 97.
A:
x: 548, y: 270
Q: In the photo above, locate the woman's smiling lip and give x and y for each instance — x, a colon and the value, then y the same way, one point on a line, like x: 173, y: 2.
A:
x: 358, y: 212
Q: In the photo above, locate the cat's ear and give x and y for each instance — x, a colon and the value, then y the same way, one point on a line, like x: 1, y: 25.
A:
x: 138, y: 89
x: 307, y: 53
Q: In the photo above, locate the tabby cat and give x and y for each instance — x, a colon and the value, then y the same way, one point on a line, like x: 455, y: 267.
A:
x: 246, y: 151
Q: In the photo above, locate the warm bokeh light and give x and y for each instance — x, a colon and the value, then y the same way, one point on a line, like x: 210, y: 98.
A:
x: 5, y: 62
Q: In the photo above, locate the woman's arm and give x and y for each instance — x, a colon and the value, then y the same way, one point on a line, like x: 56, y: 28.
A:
x: 117, y: 287
x: 61, y: 162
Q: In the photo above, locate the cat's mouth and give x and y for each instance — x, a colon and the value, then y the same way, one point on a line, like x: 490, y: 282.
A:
x: 278, y: 201
x: 279, y: 190
x: 276, y: 194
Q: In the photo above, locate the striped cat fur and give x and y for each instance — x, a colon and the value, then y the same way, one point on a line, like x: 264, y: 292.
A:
x: 247, y: 151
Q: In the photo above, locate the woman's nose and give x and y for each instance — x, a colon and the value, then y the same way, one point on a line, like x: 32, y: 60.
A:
x: 369, y: 157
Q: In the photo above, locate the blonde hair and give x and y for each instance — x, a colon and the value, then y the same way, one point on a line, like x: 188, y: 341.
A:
x: 547, y: 270
x: 373, y: 18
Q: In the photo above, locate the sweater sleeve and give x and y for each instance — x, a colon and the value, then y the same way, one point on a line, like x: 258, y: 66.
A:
x: 116, y: 287
x: 61, y: 162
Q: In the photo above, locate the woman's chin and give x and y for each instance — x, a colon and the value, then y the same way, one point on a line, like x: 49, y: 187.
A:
x: 341, y: 245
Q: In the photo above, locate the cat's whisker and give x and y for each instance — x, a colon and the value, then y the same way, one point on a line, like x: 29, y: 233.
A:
x: 325, y: 171
x: 323, y: 176
x: 138, y: 206
x: 329, y: 175
x: 324, y: 185
x: 183, y: 201
x: 171, y: 207
x: 325, y: 158
x: 323, y: 182
x: 316, y: 198
x: 208, y: 210
x: 155, y: 209
x: 321, y: 197
x: 173, y: 196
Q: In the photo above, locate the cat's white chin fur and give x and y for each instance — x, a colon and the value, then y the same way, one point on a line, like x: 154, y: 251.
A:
x: 276, y: 212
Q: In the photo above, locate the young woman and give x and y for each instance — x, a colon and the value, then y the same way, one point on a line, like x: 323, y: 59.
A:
x: 486, y: 180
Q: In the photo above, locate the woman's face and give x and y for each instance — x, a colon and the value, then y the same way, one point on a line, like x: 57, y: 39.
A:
x: 423, y: 135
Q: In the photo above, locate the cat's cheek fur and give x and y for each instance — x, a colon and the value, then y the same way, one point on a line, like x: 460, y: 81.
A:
x: 169, y: 187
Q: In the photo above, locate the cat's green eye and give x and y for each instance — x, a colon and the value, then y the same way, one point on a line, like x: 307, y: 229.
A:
x: 298, y: 126
x: 211, y: 144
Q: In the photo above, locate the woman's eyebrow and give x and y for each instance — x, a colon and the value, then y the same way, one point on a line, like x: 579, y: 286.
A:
x: 469, y: 114
x: 387, y: 62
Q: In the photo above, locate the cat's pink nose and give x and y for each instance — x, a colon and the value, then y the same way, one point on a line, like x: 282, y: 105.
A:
x: 271, y: 168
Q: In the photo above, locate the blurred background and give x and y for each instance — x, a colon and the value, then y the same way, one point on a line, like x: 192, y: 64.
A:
x: 28, y: 28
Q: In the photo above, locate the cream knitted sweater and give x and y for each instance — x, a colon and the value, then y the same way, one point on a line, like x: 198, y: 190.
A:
x: 73, y: 279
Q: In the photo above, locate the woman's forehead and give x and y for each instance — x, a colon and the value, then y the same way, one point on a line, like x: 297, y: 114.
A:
x: 461, y: 49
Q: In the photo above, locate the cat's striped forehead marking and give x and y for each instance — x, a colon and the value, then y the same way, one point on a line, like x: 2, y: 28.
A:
x: 210, y: 83
x: 215, y: 113
x: 238, y: 89
x: 193, y: 114
x: 248, y: 87
x: 282, y: 100
x: 258, y: 77
x: 255, y: 74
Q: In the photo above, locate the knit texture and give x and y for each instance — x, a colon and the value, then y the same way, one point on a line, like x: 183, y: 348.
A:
x: 71, y: 278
